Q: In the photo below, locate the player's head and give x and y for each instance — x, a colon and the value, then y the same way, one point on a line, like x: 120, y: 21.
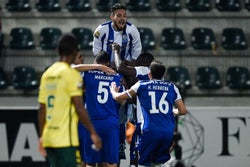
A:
x: 79, y: 59
x: 157, y: 70
x: 68, y: 46
x: 103, y: 58
x: 144, y: 59
x: 118, y: 16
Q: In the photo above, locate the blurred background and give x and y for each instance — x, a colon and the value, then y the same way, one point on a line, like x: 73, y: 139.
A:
x: 203, y: 43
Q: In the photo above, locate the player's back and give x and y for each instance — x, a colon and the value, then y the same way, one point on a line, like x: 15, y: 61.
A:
x: 99, y: 101
x: 59, y: 83
x: 156, y: 99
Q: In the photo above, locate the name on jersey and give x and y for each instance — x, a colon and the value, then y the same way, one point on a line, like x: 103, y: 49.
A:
x: 103, y: 77
x: 157, y: 87
x: 51, y: 86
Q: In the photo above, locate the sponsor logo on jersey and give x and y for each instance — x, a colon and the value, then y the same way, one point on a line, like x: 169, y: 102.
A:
x: 97, y: 34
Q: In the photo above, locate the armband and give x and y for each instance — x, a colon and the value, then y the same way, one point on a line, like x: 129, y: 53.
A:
x: 129, y: 95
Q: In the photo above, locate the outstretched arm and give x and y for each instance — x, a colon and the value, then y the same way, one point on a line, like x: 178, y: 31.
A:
x: 86, y: 67
x: 121, y: 96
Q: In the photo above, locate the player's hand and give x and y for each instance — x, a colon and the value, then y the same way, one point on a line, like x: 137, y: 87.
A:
x: 113, y: 87
x: 116, y: 47
x: 97, y: 142
x: 40, y: 148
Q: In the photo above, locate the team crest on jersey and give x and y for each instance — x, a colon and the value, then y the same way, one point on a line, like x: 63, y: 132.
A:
x: 97, y: 34
x: 124, y: 37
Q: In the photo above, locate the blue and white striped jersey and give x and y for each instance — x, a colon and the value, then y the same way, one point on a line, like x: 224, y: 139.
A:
x: 128, y: 39
x: 142, y: 72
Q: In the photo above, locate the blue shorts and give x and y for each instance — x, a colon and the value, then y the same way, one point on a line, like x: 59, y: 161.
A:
x: 109, y: 133
x: 154, y: 147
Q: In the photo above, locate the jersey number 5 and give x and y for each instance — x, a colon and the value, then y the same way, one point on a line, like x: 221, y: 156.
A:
x: 103, y: 93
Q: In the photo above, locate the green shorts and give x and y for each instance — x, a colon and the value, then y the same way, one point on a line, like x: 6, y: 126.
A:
x: 64, y: 157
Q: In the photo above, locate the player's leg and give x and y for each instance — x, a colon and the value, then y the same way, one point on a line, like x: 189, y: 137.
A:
x: 122, y: 133
x: 69, y: 156
x: 159, y: 165
x: 51, y: 156
x: 104, y: 164
x: 134, y: 148
x: 161, y: 152
x: 108, y: 130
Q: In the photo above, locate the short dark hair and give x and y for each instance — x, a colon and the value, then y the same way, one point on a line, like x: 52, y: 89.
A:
x: 102, y: 58
x: 67, y: 44
x: 117, y: 6
x: 157, y: 70
x: 144, y: 59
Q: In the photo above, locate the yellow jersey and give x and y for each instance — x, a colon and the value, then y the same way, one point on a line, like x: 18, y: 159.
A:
x: 58, y: 84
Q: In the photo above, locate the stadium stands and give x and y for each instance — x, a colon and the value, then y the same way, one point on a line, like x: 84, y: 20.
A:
x: 247, y: 5
x: 238, y: 78
x: 3, y: 79
x: 139, y: 5
x: 208, y: 77
x: 84, y: 36
x: 104, y: 5
x: 203, y: 38
x: 25, y: 78
x: 48, y: 5
x: 49, y: 37
x: 228, y: 5
x: 173, y: 39
x: 180, y: 76
x: 198, y: 5
x: 1, y: 38
x: 182, y: 33
x: 233, y: 39
x: 168, y: 5
x: 147, y: 38
x: 18, y: 5
x: 78, y: 5
x: 21, y: 38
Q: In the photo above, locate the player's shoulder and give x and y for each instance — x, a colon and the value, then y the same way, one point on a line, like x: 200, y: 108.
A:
x: 132, y: 29
x: 106, y: 23
x: 144, y: 68
x: 130, y: 26
x: 118, y: 75
x: 71, y: 73
x: 102, y: 29
x: 62, y: 70
x: 169, y: 84
x: 145, y: 82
